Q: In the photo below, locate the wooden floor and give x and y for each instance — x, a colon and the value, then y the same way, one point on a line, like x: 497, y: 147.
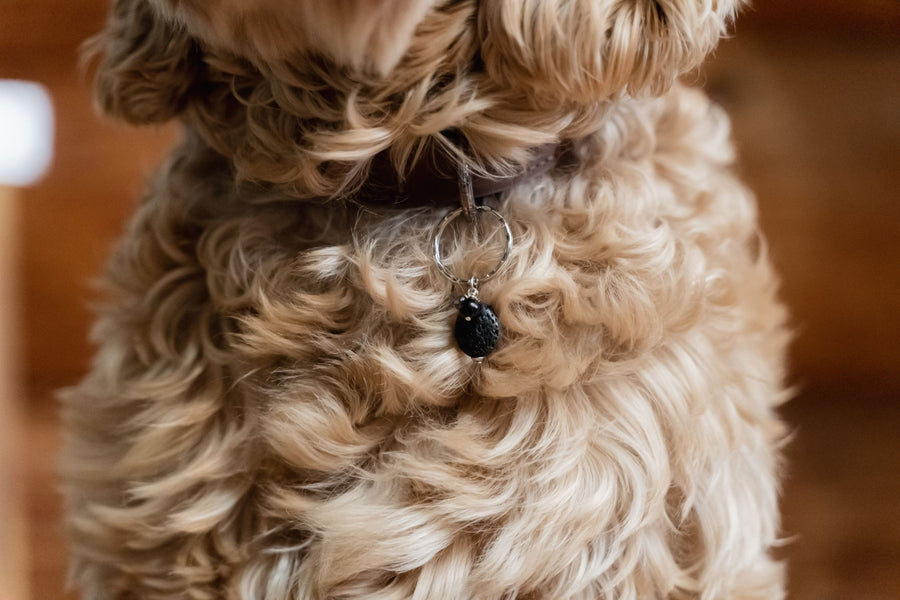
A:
x: 817, y: 121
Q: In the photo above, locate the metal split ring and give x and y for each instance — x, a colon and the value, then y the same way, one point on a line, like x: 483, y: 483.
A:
x: 449, y: 218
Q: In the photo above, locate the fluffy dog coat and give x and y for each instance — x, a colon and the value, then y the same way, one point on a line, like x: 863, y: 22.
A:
x: 277, y: 409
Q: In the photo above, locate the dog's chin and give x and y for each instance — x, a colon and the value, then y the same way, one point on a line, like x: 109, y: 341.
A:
x: 367, y: 35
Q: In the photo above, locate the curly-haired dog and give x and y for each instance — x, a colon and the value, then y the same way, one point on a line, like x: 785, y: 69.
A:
x: 278, y: 409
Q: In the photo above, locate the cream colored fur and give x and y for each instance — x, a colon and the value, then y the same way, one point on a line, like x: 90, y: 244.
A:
x: 277, y: 409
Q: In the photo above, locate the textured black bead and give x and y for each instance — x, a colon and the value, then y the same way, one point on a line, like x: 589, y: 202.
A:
x: 477, y: 328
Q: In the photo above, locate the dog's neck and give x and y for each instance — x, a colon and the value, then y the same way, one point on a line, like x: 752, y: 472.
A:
x: 434, y: 180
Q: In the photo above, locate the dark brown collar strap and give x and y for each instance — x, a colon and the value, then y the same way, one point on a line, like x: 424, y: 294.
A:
x: 434, y: 181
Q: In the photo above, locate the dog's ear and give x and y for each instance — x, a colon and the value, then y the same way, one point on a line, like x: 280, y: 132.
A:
x: 584, y: 50
x: 146, y: 64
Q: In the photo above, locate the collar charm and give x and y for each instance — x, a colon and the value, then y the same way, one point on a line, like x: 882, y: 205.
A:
x: 477, y: 330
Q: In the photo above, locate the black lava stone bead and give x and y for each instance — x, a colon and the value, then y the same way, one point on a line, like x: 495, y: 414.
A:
x: 477, y: 328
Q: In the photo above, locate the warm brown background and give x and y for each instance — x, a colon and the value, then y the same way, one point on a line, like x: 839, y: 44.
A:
x: 814, y: 90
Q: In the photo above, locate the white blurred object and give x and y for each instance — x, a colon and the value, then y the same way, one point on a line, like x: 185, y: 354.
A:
x: 26, y: 149
x: 26, y: 132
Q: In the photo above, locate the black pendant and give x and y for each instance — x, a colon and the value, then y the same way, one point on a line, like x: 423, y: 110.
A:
x: 477, y: 328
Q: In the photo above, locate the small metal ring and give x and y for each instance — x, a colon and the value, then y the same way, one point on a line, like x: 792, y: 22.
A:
x: 440, y: 232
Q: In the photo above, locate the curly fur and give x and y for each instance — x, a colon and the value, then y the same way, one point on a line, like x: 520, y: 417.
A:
x: 277, y: 409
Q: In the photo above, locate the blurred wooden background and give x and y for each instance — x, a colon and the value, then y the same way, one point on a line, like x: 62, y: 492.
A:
x: 814, y: 91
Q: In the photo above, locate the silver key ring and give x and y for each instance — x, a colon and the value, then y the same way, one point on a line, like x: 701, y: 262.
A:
x: 449, y: 218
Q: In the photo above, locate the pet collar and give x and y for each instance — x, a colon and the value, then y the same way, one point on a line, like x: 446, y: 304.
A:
x: 435, y: 179
x: 439, y: 180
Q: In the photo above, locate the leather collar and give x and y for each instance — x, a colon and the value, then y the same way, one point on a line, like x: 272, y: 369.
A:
x: 434, y: 180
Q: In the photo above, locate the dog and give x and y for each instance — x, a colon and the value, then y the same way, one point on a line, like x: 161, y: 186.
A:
x: 278, y: 408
